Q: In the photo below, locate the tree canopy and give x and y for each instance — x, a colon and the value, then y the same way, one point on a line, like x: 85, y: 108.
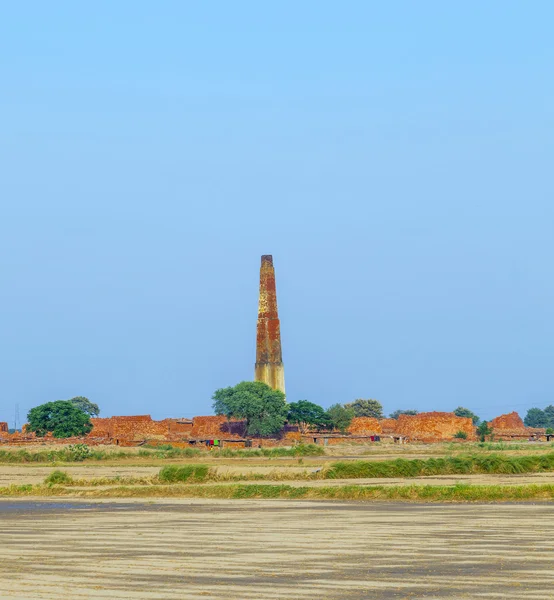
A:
x: 397, y: 413
x: 483, y: 430
x: 536, y: 417
x: 366, y: 408
x: 61, y: 418
x: 86, y: 405
x: 263, y: 408
x: 465, y: 412
x: 307, y: 414
x: 340, y: 416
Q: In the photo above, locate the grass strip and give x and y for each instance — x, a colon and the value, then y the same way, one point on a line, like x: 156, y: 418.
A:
x: 412, y: 493
x: 452, y: 465
x: 83, y: 453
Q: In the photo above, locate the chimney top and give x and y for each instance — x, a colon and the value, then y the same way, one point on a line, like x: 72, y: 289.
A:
x: 267, y: 258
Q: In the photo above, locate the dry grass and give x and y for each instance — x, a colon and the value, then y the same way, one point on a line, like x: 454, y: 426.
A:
x: 412, y: 493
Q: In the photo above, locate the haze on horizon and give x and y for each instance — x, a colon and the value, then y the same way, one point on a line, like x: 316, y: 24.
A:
x: 394, y: 158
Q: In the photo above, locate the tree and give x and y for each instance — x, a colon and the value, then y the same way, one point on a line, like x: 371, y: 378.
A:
x: 307, y: 414
x: 549, y: 413
x: 366, y: 408
x: 263, y: 408
x: 397, y: 413
x: 61, y: 418
x: 340, y: 416
x: 536, y: 417
x: 483, y: 430
x: 465, y: 412
x: 86, y: 405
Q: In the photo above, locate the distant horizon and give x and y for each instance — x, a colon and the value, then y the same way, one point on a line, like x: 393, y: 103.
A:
x: 395, y: 159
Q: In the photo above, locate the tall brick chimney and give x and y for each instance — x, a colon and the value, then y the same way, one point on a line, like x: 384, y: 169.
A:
x: 269, y: 360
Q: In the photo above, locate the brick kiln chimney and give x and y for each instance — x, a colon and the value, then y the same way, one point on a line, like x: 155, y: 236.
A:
x: 269, y: 360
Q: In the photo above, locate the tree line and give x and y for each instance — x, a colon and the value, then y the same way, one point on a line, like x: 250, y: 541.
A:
x: 264, y: 409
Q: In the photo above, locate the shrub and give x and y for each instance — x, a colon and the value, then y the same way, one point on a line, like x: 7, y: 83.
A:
x: 176, y: 474
x: 58, y: 478
x: 460, y: 435
x: 78, y: 452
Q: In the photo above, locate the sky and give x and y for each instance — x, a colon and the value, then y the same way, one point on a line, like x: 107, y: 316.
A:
x: 395, y: 158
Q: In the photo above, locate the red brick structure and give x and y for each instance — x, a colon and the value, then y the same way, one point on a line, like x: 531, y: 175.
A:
x: 269, y: 360
x: 388, y: 426
x: 3, y: 427
x: 434, y: 426
x: 365, y: 425
x: 138, y: 428
x: 511, y: 427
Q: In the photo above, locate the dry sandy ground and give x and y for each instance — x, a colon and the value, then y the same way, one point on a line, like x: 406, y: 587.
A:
x: 253, y: 550
x: 23, y: 474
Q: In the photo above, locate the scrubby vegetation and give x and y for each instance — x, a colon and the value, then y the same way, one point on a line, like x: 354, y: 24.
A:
x: 453, y: 465
x: 58, y: 477
x: 402, y: 493
x: 299, y: 450
x: 168, y: 451
x: 175, y: 473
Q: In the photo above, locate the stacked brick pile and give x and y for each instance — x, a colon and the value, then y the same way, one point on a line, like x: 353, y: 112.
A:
x: 388, y: 426
x: 434, y: 426
x: 365, y: 426
x: 510, y: 426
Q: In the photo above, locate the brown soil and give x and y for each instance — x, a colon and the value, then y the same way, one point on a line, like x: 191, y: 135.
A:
x: 250, y: 550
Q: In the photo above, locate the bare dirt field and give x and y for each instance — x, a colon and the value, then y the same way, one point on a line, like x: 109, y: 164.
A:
x: 32, y: 474
x: 275, y: 550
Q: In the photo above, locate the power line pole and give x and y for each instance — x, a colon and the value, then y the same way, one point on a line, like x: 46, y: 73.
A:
x: 16, y: 416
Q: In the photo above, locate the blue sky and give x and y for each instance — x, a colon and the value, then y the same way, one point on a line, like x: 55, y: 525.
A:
x: 394, y: 157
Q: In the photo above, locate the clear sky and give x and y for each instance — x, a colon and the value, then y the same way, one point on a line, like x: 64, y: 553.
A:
x: 395, y: 157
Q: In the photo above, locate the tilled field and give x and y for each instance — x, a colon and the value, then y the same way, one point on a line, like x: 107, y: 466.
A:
x: 274, y: 550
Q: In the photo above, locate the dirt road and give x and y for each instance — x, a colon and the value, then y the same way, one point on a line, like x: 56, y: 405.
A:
x: 274, y: 550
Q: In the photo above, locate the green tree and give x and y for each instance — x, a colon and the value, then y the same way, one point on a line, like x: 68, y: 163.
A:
x: 61, y: 418
x: 263, y: 408
x: 549, y: 414
x: 307, y: 414
x: 86, y: 405
x: 366, y: 408
x: 465, y: 412
x: 340, y: 416
x: 536, y: 417
x: 483, y: 430
x: 397, y: 413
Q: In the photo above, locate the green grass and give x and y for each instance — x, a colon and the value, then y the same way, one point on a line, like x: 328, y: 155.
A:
x: 175, y: 473
x: 58, y: 477
x: 61, y: 455
x: 299, y: 450
x: 168, y: 451
x: 68, y: 455
x: 408, y: 493
x: 453, y: 465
